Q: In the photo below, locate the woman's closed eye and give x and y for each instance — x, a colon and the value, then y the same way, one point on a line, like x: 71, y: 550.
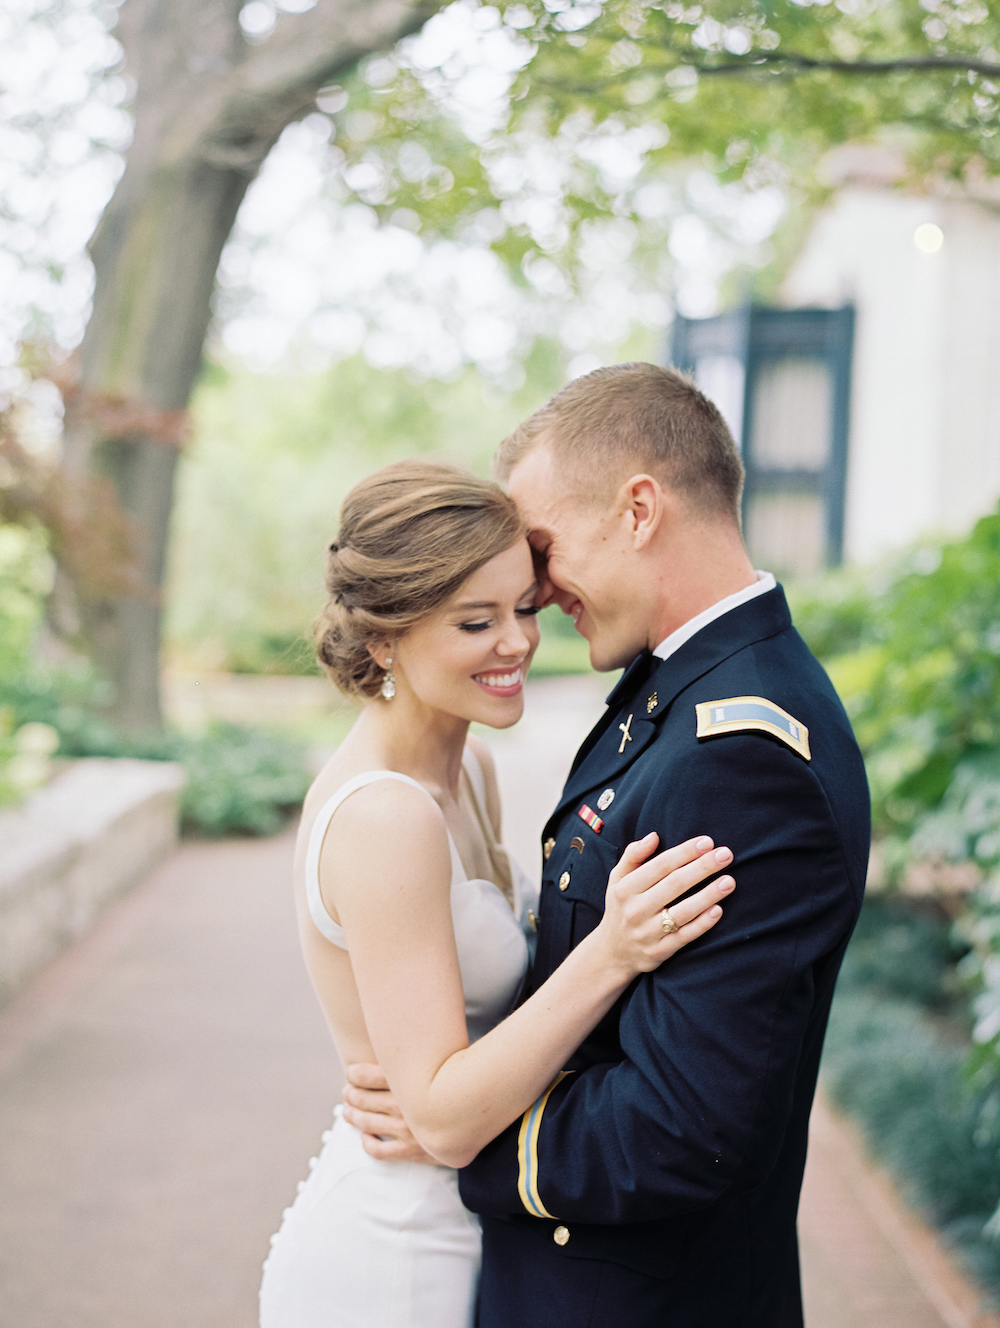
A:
x: 526, y: 611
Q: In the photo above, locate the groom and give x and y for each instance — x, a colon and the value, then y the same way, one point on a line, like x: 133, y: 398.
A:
x: 657, y: 1182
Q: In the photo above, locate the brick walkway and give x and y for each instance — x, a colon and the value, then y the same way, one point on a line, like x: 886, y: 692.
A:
x: 163, y: 1085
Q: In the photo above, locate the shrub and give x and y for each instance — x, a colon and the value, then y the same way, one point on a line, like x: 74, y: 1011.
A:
x: 896, y: 1059
x: 917, y: 660
x: 239, y: 780
x: 914, y: 650
x: 938, y: 1134
x: 900, y: 952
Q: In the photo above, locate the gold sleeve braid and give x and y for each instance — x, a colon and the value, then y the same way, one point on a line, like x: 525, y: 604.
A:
x: 527, y: 1152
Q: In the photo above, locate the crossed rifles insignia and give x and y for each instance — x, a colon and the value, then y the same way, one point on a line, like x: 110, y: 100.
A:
x: 626, y: 735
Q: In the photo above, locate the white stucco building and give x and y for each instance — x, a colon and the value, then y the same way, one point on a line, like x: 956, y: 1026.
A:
x: 920, y: 441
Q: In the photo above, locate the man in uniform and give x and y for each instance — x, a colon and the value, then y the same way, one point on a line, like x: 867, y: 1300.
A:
x: 656, y: 1182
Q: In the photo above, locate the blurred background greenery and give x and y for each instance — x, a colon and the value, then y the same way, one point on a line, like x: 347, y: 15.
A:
x: 271, y: 458
x: 260, y: 495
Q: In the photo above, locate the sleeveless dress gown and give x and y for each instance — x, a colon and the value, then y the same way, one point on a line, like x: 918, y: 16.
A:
x: 376, y: 1244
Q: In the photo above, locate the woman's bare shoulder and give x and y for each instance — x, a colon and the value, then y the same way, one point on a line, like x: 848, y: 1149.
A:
x: 387, y: 820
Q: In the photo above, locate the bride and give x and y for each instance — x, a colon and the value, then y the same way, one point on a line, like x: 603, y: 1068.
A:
x: 411, y: 912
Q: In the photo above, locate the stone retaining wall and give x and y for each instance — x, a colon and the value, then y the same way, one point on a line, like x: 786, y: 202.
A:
x: 97, y: 830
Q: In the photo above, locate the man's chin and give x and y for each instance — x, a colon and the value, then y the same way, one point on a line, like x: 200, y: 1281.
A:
x: 605, y: 658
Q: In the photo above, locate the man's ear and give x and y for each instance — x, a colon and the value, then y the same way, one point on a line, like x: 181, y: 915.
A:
x: 644, y: 506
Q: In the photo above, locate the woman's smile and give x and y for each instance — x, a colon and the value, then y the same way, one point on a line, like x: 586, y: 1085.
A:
x: 501, y: 682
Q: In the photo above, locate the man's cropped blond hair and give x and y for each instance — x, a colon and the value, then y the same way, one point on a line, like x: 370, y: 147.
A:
x: 608, y: 424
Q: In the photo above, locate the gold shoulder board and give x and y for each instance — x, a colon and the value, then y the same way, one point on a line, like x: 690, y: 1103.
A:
x: 737, y: 714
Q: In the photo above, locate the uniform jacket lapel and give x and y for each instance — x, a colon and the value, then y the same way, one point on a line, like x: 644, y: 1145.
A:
x: 628, y: 684
x: 606, y: 752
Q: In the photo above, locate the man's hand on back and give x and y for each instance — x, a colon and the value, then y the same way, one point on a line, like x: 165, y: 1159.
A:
x: 370, y: 1107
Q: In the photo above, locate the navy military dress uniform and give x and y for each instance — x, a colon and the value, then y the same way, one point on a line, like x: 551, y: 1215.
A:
x: 656, y: 1182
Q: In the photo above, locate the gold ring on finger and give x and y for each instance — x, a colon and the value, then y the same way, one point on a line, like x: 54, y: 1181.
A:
x: 667, y: 922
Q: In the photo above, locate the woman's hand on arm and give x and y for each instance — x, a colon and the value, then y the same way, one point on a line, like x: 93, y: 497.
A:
x: 393, y: 900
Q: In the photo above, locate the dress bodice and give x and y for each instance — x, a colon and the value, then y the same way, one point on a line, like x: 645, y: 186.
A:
x: 490, y: 937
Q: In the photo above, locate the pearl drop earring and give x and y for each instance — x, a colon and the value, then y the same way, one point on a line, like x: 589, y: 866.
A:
x: 389, y: 681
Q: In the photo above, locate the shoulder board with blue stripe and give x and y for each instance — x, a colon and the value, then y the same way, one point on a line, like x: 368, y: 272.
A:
x: 737, y: 714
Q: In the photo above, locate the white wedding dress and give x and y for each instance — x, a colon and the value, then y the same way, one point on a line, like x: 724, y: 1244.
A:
x: 373, y: 1244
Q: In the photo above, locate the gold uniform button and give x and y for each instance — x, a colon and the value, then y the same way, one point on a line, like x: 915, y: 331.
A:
x: 561, y: 1235
x: 547, y: 848
x: 564, y: 885
x: 532, y: 919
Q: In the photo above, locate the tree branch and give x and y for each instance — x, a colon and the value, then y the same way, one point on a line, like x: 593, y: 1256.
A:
x: 278, y: 80
x: 759, y: 61
x: 334, y: 33
x: 960, y: 63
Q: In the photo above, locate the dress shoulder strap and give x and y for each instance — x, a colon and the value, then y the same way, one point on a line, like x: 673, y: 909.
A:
x: 470, y: 763
x: 502, y: 873
x: 314, y: 899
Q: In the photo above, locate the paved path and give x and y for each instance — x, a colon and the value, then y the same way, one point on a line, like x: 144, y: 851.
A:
x: 164, y: 1083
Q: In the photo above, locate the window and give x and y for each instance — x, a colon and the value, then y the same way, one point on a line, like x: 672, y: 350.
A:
x: 781, y: 378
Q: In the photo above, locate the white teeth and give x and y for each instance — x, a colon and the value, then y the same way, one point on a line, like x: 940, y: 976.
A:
x: 500, y: 679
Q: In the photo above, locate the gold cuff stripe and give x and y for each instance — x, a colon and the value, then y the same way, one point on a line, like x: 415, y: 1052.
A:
x: 737, y: 714
x: 527, y: 1152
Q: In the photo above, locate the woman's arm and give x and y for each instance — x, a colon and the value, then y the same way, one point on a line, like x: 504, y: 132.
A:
x: 386, y: 869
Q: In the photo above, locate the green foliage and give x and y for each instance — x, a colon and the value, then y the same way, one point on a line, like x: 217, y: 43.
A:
x: 239, y: 780
x: 895, y: 1058
x: 25, y: 577
x: 914, y: 651
x: 261, y: 487
x: 834, y: 614
x: 25, y: 754
x: 934, y: 700
x: 900, y: 953
x: 886, y: 1065
x: 754, y: 91
x: 740, y: 82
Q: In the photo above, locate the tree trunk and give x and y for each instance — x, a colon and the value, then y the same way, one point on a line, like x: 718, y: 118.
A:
x: 209, y: 108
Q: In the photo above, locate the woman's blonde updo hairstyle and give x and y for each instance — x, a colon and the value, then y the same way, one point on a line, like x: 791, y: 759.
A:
x: 409, y: 536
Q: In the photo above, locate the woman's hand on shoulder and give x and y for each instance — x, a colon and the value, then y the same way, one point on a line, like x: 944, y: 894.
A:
x: 642, y: 926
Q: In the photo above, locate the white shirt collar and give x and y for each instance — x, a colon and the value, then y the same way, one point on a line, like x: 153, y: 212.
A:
x: 764, y: 582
